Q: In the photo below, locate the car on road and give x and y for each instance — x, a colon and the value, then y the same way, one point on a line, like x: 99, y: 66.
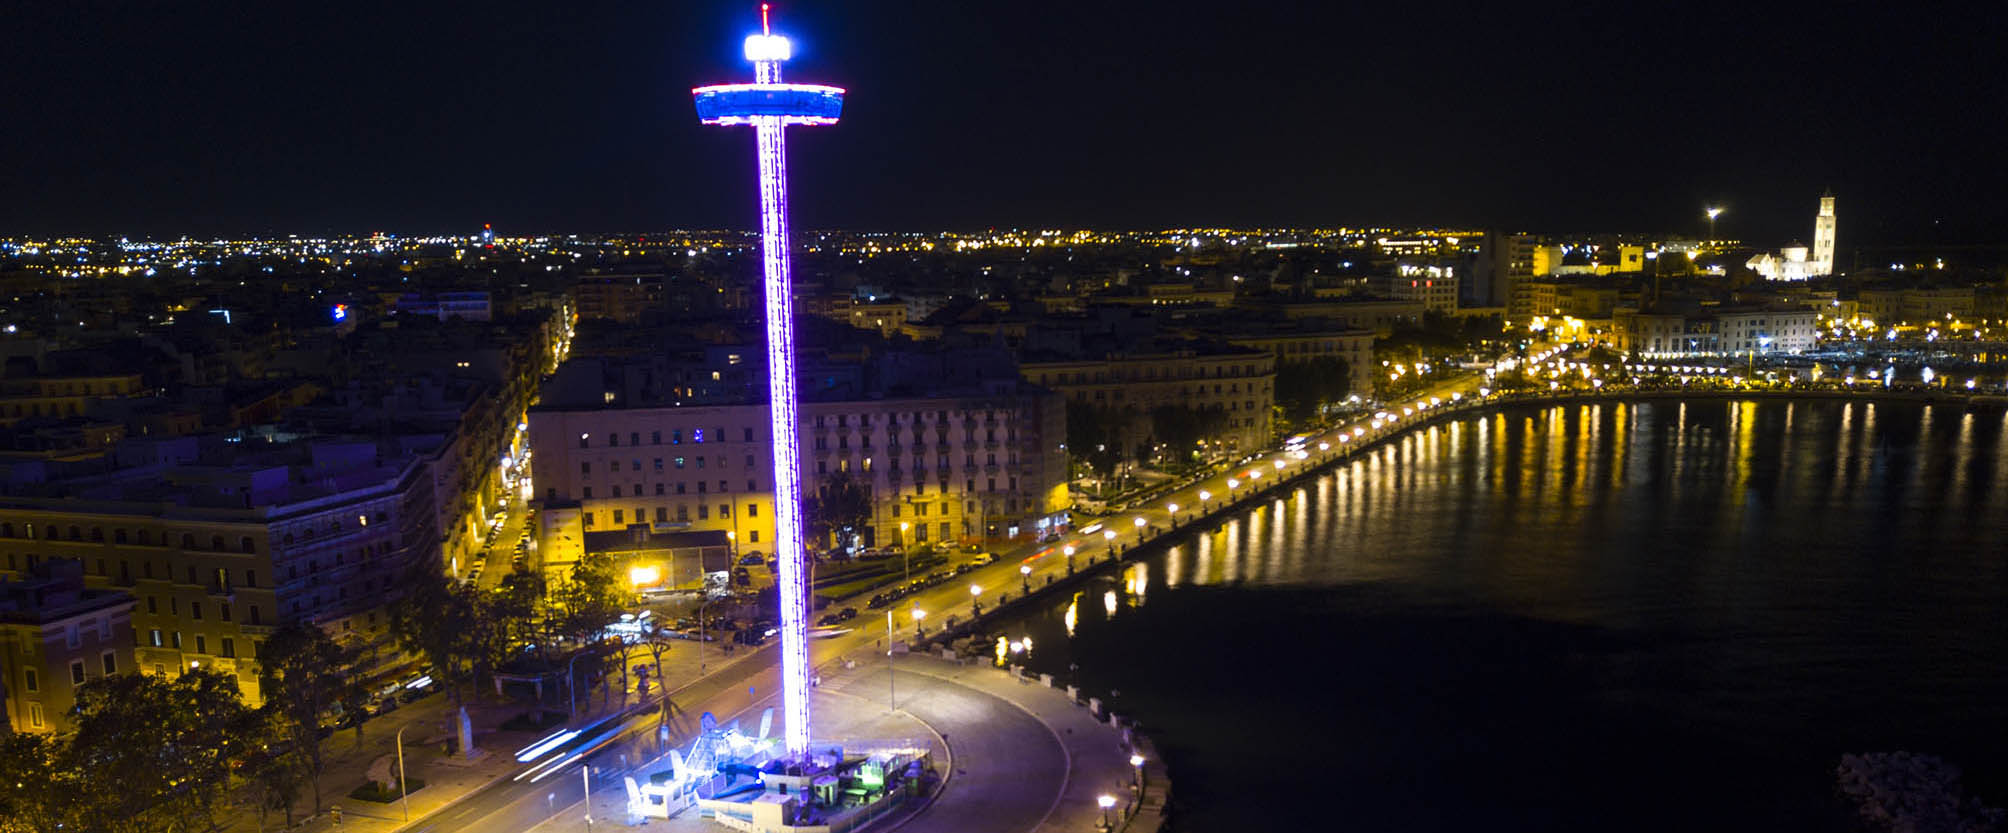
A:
x: 985, y: 559
x: 750, y: 559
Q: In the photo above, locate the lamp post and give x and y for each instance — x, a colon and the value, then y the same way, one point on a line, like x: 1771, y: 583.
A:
x: 905, y: 556
x: 571, y: 684
x: 403, y: 793
x: 1136, y: 762
x: 1025, y: 575
x: 1173, y: 509
x: 1106, y: 801
x: 975, y: 600
x: 891, y: 687
x: 586, y: 777
x: 1109, y: 536
x: 1138, y: 522
x: 1204, y: 496
x: 1068, y: 550
x: 1713, y: 212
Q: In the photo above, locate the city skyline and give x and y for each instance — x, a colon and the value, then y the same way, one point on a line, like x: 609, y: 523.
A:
x: 350, y: 120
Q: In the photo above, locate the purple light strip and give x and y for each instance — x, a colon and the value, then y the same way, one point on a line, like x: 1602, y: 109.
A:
x: 773, y: 152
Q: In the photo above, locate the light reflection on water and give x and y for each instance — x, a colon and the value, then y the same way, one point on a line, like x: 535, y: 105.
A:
x: 1802, y: 577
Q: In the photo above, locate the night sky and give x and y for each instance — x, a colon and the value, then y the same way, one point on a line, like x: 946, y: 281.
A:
x: 285, y: 117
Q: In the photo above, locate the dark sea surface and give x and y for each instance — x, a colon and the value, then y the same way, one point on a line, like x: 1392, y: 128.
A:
x: 1614, y: 616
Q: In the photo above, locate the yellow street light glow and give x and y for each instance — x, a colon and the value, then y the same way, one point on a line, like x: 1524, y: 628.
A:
x: 644, y: 574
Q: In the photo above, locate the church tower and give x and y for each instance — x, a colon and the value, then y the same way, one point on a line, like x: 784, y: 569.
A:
x: 1823, y: 239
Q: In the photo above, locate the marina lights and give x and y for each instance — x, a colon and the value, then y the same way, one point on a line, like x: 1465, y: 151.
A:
x: 769, y: 106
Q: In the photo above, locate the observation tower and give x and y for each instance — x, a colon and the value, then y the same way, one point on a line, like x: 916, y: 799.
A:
x: 770, y: 106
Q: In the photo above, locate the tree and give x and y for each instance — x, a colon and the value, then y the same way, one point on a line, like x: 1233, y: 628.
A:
x: 1304, y: 388
x: 304, y: 674
x: 517, y: 606
x: 152, y: 753
x: 440, y: 620
x: 1180, y: 429
x: 588, y: 601
x: 35, y: 795
x: 275, y: 767
x: 1094, y: 438
x: 840, y: 507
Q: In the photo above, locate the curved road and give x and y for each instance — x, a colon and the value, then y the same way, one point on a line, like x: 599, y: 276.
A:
x: 1009, y: 768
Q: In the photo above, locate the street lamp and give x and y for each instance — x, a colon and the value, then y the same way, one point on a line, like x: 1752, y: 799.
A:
x: 1713, y: 212
x: 403, y: 793
x: 975, y: 600
x: 904, y: 555
x: 1136, y: 762
x: 1025, y: 574
x: 1068, y: 550
x: 1204, y: 496
x: 1106, y: 801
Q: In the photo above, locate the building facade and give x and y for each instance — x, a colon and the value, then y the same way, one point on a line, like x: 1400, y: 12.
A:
x: 216, y: 557
x: 949, y: 468
x: 55, y: 635
x: 1238, y: 381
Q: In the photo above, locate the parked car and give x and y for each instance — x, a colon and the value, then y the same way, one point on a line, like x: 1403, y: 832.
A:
x: 749, y: 559
x: 847, y: 614
x: 984, y: 559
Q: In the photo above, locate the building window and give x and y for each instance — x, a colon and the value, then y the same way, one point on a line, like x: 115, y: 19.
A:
x: 658, y: 488
x: 35, y: 715
x: 617, y: 516
x: 704, y: 511
x: 153, y: 637
x: 752, y: 510
x: 76, y: 672
x: 725, y: 510
x: 613, y: 440
x: 201, y: 644
x: 585, y: 442
x: 756, y: 536
x: 588, y: 516
x: 34, y: 682
x: 229, y: 647
x: 111, y: 662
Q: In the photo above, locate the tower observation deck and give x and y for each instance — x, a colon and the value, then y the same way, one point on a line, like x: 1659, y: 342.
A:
x: 769, y: 106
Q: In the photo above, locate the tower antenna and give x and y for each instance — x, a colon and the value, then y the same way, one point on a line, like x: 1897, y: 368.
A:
x: 765, y: 29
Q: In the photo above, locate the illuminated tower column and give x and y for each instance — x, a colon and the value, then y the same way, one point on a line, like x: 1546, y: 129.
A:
x: 1823, y: 238
x: 770, y: 106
